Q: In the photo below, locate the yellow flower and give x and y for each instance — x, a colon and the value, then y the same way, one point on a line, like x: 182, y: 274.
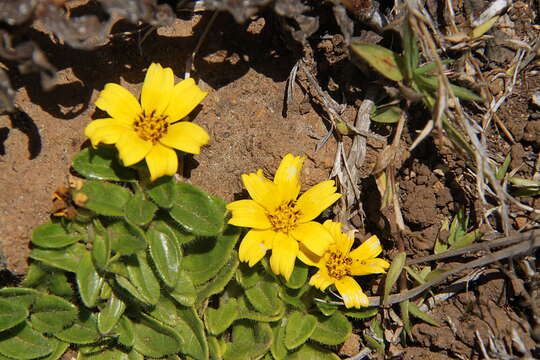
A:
x: 280, y: 220
x: 150, y: 130
x: 339, y: 264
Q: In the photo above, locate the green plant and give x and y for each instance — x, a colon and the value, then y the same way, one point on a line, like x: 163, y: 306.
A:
x: 150, y: 271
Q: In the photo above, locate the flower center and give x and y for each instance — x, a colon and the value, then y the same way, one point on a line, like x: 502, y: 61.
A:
x: 151, y: 127
x: 284, y: 217
x: 338, y: 265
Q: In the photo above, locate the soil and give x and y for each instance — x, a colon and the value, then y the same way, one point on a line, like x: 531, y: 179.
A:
x: 244, y: 68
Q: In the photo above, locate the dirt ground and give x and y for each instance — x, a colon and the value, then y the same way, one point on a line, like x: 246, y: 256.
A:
x: 245, y: 69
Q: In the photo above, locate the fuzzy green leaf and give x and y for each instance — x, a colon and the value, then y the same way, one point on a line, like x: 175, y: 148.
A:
x: 11, y: 314
x: 410, y: 49
x: 154, y: 339
x: 105, y: 198
x: 184, y: 291
x: 83, y: 330
x: 23, y: 342
x: 88, y: 281
x: 126, y: 239
x: 298, y: 277
x: 431, y: 84
x: 108, y: 353
x: 191, y: 329
x: 385, y: 61
x: 361, y: 314
x: 112, y: 312
x: 125, y: 331
x: 332, y: 330
x: 52, y: 313
x: 416, y: 312
x: 197, y: 211
x: 161, y: 191
x: 248, y: 276
x: 53, y: 235
x: 58, y: 347
x: 250, y: 341
x: 66, y: 258
x: 101, y: 250
x: 264, y: 297
x: 142, y: 276
x: 218, y: 283
x: 166, y: 255
x: 299, y: 328
x: 218, y: 320
x: 393, y: 274
x: 204, y: 259
x: 21, y: 296
x: 140, y: 211
x: 312, y: 352
x: 214, y: 348
x: 165, y: 311
x: 387, y: 115
x: 279, y: 350
x: 102, y: 164
x: 127, y: 285
x: 247, y: 312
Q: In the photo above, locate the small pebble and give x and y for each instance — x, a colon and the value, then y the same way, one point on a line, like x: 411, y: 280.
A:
x: 536, y: 98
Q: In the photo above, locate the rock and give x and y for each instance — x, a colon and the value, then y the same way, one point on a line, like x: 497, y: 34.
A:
x: 535, y: 98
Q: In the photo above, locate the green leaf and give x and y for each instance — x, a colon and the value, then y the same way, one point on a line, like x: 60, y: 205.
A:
x: 312, y: 352
x: 332, y: 330
x: 387, y: 115
x: 166, y: 255
x: 393, y: 274
x: 218, y: 320
x: 385, y: 61
x: 218, y: 283
x: 197, y: 211
x: 56, y: 283
x: 112, y: 312
x: 191, y: 329
x: 88, y: 281
x: 83, y: 330
x: 165, y: 311
x: 67, y: 258
x: 51, y: 314
x: 247, y: 312
x: 264, y: 297
x: 466, y: 239
x: 154, y: 339
x: 501, y: 172
x: 53, y: 235
x: 278, y: 349
x: 430, y: 67
x: 102, y: 164
x: 20, y: 296
x: 23, y: 342
x: 173, y: 230
x: 361, y: 314
x: 140, y: 211
x: 142, y: 276
x: 416, y: 312
x: 126, y: 239
x: 214, y: 348
x: 105, y: 198
x: 298, y: 277
x: 204, y: 259
x: 108, y: 353
x: 250, y: 341
x: 11, y: 314
x: 248, y: 276
x: 162, y: 191
x: 410, y: 48
x: 299, y: 328
x: 431, y: 84
x: 184, y: 291
x: 101, y: 249
x: 59, y: 348
x: 126, y: 331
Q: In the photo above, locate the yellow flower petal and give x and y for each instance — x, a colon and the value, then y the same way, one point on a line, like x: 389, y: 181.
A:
x: 287, y: 176
x: 185, y: 136
x: 106, y: 131
x: 351, y: 292
x: 132, y: 149
x: 321, y: 280
x: 264, y: 192
x: 157, y: 89
x: 284, y: 253
x: 313, y: 236
x: 248, y: 213
x: 253, y: 245
x: 369, y: 249
x: 161, y: 161
x: 119, y: 103
x: 185, y: 96
x: 369, y: 266
x: 316, y: 200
